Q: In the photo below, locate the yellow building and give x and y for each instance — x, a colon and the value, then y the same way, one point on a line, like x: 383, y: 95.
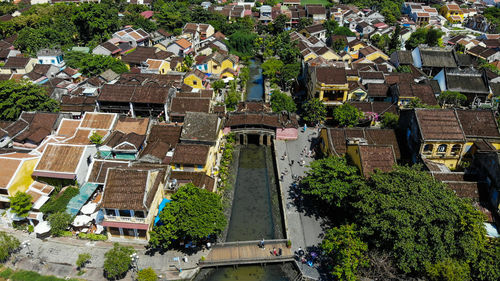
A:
x: 157, y: 66
x: 371, y: 53
x: 433, y: 134
x: 15, y: 174
x: 196, y: 79
x: 217, y: 62
x: 228, y: 73
x: 18, y: 65
x: 453, y: 13
x: 328, y: 84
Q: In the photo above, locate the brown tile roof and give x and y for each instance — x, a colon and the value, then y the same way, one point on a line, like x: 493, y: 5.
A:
x: 180, y: 106
x: 16, y: 62
x: 478, y: 123
x: 40, y: 126
x: 331, y: 75
x: 81, y: 103
x: 190, y: 154
x: 100, y: 169
x: 371, y: 75
x: 9, y: 168
x: 126, y: 188
x: 378, y: 107
x: 60, y: 158
x: 199, y: 179
x: 266, y: 119
x: 67, y: 127
x: 339, y: 137
x: 199, y: 126
x: 116, y: 138
x: 156, y: 149
x: 439, y: 124
x: 423, y: 92
x: 464, y: 189
x: 137, y: 94
x: 183, y: 43
x: 140, y: 55
x: 156, y: 80
x: 376, y: 157
x: 165, y: 133
x: 132, y: 125
x: 377, y: 90
x: 110, y: 47
x: 254, y: 107
x: 95, y: 120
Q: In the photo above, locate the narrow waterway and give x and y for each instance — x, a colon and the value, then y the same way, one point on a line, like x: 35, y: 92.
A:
x: 255, y: 215
x: 255, y: 85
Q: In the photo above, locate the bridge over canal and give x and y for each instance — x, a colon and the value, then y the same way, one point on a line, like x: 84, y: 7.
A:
x: 247, y: 252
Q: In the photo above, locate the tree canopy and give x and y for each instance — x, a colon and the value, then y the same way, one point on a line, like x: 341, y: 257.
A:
x: 390, y: 120
x: 347, y: 115
x: 90, y: 64
x: 193, y: 214
x: 452, y: 98
x: 117, y: 261
x: 147, y: 274
x: 314, y: 111
x: 59, y: 222
x: 431, y: 37
x: 8, y: 244
x: 16, y: 97
x: 21, y: 204
x: 281, y: 101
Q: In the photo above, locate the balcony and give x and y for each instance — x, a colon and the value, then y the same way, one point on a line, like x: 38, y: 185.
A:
x: 125, y: 219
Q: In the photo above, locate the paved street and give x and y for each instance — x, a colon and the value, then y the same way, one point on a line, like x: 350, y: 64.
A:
x: 57, y: 256
x: 304, y: 230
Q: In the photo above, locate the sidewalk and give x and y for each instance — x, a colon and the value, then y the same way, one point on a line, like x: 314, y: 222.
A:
x: 57, y: 256
x: 303, y: 230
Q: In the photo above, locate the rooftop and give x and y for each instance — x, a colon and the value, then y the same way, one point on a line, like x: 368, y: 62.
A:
x: 439, y: 124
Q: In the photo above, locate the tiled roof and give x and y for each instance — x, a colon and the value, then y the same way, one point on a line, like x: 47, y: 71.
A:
x: 16, y: 62
x: 137, y: 94
x: 183, y: 105
x: 100, y: 169
x: 199, y: 179
x: 339, y: 137
x: 376, y: 157
x: 439, y: 124
x: 199, y: 126
x: 190, y: 154
x: 132, y: 125
x: 478, y: 123
x: 331, y: 75
x: 60, y: 158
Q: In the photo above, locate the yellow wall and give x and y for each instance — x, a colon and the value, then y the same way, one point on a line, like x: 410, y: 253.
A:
x: 164, y: 67
x: 330, y: 56
x: 227, y: 64
x: 356, y: 47
x: 189, y: 80
x: 377, y: 55
x: 352, y: 95
x: 447, y: 14
x: 353, y: 152
x: 160, y: 46
x: 310, y: 57
x: 325, y: 144
x: 226, y: 74
x: 451, y: 161
x: 23, y: 179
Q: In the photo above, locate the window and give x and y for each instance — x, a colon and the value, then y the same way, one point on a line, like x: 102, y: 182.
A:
x: 428, y: 148
x: 115, y: 231
x: 195, y: 82
x: 124, y: 213
x: 40, y: 61
x: 442, y: 148
x: 200, y: 167
x: 4, y: 191
x: 139, y: 214
x: 110, y: 212
x: 53, y: 61
x: 141, y: 233
x: 455, y: 149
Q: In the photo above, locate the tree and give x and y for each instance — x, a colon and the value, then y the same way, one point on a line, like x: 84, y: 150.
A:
x: 8, y: 244
x: 338, y: 45
x: 218, y: 85
x: 16, y: 97
x: 487, y: 266
x: 448, y: 270
x: 416, y: 38
x: 95, y: 138
x: 147, y: 274
x: 271, y: 67
x: 279, y: 23
x: 304, y: 22
x: 187, y: 63
x: 390, y: 120
x: 395, y: 42
x: 138, y: 21
x: 288, y: 73
x: 193, y: 214
x: 232, y: 99
x: 82, y: 260
x: 314, y: 111
x: 242, y: 43
x: 346, y: 250
x: 281, y: 101
x: 117, y: 261
x: 331, y: 180
x: 347, y: 115
x: 244, y: 76
x: 95, y: 21
x: 59, y: 222
x: 433, y: 37
x: 437, y: 226
x: 90, y: 64
x: 21, y: 204
x: 452, y: 98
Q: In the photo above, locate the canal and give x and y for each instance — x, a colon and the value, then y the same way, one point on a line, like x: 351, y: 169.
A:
x: 256, y: 211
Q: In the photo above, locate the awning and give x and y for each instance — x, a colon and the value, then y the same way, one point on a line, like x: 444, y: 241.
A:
x: 42, y: 228
x: 81, y: 220
x: 76, y: 203
x: 160, y: 208
x: 130, y: 225
x: 89, y: 208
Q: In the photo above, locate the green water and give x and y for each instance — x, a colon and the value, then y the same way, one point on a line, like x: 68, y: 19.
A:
x: 255, y: 215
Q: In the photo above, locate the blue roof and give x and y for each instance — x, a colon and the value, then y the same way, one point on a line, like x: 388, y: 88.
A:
x: 160, y: 208
x: 77, y: 202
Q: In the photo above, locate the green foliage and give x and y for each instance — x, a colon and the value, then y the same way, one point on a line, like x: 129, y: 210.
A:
x: 232, y: 99
x: 31, y: 228
x: 346, y: 250
x: 193, y: 214
x: 487, y: 266
x: 492, y: 14
x: 331, y: 180
x: 95, y: 21
x: 314, y: 111
x: 304, y: 22
x: 279, y: 23
x: 24, y: 275
x: 448, y: 270
x: 417, y: 103
x: 419, y: 220
x: 338, y: 45
x: 390, y: 120
x: 59, y: 222
x: 187, y: 63
x: 58, y: 203
x: 218, y: 85
x: 395, y: 43
x: 6, y: 273
x: 95, y: 138
x: 21, y: 204
x: 422, y: 35
x: 241, y: 43
x: 347, y: 115
x: 92, y: 236
x: 452, y: 98
x: 333, y: 28
x: 380, y: 41
x: 271, y: 67
x: 90, y: 64
x: 117, y: 261
x: 281, y: 101
x: 147, y: 274
x: 16, y: 97
x: 8, y: 244
x: 244, y: 76
x: 82, y: 260
x: 403, y: 69
x: 136, y: 20
x: 7, y: 8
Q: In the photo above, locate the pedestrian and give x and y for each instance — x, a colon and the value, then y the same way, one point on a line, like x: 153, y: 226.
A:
x: 292, y: 162
x: 261, y: 244
x: 280, y: 252
x: 274, y: 252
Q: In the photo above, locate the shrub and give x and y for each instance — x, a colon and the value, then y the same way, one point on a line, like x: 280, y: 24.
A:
x: 6, y: 273
x: 59, y: 222
x: 31, y: 228
x: 83, y: 259
x: 59, y: 203
x: 8, y: 244
x: 147, y: 274
x: 93, y: 236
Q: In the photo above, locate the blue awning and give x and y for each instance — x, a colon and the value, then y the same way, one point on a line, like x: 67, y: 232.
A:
x: 77, y: 202
x: 160, y: 208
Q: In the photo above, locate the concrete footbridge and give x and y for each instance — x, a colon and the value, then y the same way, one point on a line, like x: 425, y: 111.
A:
x: 247, y: 252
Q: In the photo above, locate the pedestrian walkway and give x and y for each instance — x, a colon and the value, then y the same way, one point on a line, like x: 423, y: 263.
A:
x: 303, y: 230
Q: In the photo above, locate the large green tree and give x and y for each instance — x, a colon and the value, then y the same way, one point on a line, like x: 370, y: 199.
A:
x: 419, y: 220
x: 193, y: 214
x: 8, y: 244
x: 90, y: 64
x: 281, y: 101
x: 314, y: 111
x: 117, y: 261
x: 345, y: 251
x: 452, y: 98
x: 59, y: 222
x: 487, y: 266
x: 242, y: 43
x: 96, y: 21
x: 21, y: 204
x: 347, y: 115
x: 16, y: 97
x: 331, y: 180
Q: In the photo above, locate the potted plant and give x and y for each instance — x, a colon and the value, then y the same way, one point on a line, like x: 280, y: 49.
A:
x: 288, y: 244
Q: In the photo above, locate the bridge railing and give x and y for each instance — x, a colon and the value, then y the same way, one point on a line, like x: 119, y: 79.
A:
x: 243, y: 260
x: 252, y: 242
